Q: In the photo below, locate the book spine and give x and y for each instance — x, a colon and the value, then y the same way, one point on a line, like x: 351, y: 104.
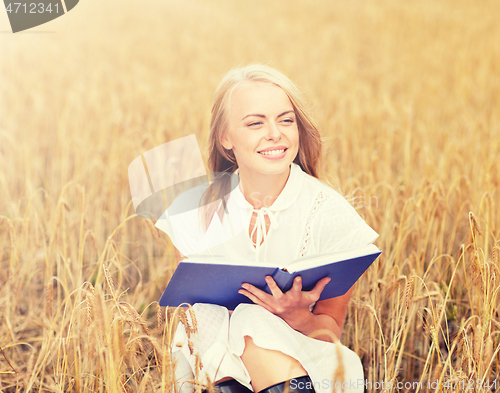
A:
x: 283, y: 279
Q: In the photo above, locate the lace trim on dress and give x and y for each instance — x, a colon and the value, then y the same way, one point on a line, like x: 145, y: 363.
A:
x: 318, y: 201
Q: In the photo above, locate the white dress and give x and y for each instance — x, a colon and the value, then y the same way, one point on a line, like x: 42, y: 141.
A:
x: 308, y: 217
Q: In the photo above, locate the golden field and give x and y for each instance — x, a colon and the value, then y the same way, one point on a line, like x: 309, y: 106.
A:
x: 407, y: 95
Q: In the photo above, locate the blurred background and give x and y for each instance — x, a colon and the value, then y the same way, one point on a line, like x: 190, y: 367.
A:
x: 407, y: 96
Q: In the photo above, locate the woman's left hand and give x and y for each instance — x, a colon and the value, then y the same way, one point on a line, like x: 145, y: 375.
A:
x: 292, y: 306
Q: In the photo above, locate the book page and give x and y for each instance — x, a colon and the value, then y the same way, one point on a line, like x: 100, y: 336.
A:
x: 222, y: 260
x: 296, y: 265
x: 327, y: 258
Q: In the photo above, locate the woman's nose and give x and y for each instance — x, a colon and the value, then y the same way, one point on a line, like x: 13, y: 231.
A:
x: 273, y: 131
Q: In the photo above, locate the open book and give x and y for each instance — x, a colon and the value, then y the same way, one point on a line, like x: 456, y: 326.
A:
x: 215, y: 280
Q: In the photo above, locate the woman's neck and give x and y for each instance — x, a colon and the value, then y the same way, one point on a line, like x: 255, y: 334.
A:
x: 262, y: 191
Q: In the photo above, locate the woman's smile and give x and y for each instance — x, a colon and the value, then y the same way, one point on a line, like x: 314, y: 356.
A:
x: 274, y: 153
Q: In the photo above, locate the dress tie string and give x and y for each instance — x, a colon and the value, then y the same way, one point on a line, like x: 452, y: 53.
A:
x: 260, y: 227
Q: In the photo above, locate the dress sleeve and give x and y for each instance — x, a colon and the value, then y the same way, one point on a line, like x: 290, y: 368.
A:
x: 181, y: 222
x: 338, y: 226
x: 182, y: 229
x: 186, y: 231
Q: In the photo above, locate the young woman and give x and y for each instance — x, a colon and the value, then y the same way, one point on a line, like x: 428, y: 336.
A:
x: 262, y: 138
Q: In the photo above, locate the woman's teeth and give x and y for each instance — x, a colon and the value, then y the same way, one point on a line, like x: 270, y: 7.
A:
x: 272, y: 152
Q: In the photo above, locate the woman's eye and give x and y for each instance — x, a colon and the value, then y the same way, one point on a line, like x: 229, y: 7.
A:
x: 289, y: 121
x: 255, y: 124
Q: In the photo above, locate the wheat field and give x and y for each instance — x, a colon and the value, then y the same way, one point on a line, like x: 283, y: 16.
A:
x: 407, y: 96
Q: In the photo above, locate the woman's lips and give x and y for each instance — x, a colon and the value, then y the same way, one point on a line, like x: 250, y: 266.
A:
x: 275, y: 154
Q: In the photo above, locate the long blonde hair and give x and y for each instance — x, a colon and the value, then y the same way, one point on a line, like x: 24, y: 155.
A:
x: 223, y: 162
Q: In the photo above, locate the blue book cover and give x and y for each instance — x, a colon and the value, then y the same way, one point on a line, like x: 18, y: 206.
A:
x: 215, y: 281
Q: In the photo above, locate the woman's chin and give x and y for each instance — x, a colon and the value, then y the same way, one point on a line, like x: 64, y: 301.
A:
x: 274, y: 169
x: 265, y: 166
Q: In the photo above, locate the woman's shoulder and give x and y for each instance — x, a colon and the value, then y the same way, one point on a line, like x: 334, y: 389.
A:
x: 319, y: 189
x: 335, y: 223
x: 327, y: 205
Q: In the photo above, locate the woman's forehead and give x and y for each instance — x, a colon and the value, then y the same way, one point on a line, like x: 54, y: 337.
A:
x: 259, y: 97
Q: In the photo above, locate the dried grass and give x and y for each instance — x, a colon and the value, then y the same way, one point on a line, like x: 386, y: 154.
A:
x: 407, y: 99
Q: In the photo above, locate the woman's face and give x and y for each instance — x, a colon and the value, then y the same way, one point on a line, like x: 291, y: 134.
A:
x: 262, y: 129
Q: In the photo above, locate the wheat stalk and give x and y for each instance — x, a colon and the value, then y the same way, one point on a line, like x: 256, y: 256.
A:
x: 109, y: 280
x: 160, y: 318
x: 49, y: 299
x: 408, y: 292
x: 478, y: 342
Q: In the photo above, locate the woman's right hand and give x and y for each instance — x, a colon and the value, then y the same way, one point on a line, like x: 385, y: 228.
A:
x: 292, y: 306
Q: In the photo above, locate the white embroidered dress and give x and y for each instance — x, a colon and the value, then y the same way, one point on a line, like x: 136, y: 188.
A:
x: 308, y: 217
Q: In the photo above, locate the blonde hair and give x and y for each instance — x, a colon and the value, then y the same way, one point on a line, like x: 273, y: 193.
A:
x: 223, y: 162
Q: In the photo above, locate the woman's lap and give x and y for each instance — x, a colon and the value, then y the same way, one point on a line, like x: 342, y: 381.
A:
x: 220, y: 340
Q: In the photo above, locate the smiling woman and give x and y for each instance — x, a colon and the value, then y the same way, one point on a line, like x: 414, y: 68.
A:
x: 261, y: 134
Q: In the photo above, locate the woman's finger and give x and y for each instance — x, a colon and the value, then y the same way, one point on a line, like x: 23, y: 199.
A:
x: 255, y: 299
x: 249, y: 295
x: 262, y: 295
x: 275, y: 290
x: 320, y: 285
x: 297, y: 284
